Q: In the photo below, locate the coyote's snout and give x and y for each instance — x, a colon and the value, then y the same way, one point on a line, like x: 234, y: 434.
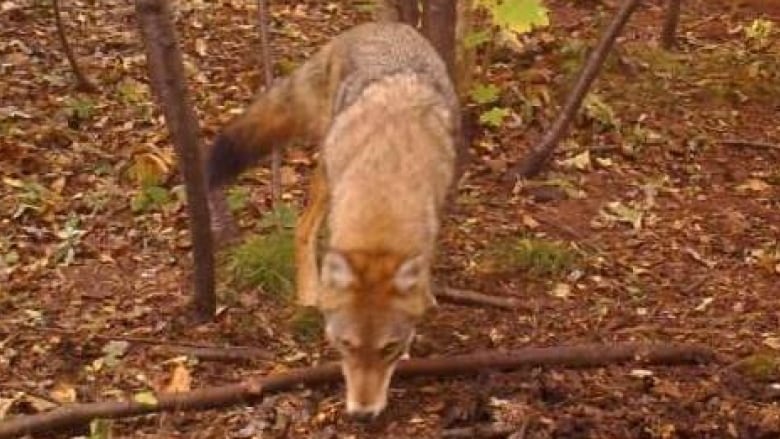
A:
x: 371, y: 304
x: 379, y: 101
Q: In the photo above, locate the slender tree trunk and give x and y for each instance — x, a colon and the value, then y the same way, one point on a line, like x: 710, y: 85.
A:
x: 166, y: 72
x: 542, y: 152
x: 464, y: 55
x: 438, y: 24
x: 268, y: 75
x: 672, y: 19
x: 83, y: 83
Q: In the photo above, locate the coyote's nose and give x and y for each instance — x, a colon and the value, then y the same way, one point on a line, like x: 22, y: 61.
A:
x: 362, y: 416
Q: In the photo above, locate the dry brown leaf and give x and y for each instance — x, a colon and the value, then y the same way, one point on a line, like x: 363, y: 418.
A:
x: 63, y: 393
x: 181, y: 381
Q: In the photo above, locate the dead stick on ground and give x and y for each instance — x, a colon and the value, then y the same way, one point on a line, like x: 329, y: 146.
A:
x: 542, y: 152
x: 166, y: 71
x: 579, y: 356
x: 216, y: 353
x: 750, y: 144
x: 479, y: 431
x: 200, y: 350
x: 268, y: 74
x: 82, y: 82
x: 467, y: 297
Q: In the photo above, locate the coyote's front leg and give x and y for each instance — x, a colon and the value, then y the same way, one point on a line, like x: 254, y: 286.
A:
x: 306, y: 231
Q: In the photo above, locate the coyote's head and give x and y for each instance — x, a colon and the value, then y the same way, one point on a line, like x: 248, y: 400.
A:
x: 371, y: 303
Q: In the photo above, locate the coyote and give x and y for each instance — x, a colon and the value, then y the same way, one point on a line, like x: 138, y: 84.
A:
x: 379, y: 102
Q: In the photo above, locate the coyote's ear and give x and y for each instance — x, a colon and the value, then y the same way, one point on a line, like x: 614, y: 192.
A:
x: 409, y: 274
x: 336, y: 271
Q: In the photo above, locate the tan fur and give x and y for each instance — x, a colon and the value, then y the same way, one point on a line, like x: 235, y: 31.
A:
x: 378, y: 100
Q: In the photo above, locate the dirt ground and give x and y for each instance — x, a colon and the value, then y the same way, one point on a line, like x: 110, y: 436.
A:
x: 677, y: 231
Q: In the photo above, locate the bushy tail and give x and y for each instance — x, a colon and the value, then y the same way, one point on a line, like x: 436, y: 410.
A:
x: 296, y: 107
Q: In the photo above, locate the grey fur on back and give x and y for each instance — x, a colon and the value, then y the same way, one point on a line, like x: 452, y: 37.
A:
x: 377, y: 50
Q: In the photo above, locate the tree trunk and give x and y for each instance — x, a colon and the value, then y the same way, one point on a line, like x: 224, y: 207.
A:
x: 83, y: 83
x: 438, y: 24
x: 465, y: 56
x: 672, y: 19
x: 268, y: 75
x: 166, y: 72
x: 542, y: 152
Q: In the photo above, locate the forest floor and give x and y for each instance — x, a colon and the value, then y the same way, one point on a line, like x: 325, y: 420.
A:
x: 661, y: 232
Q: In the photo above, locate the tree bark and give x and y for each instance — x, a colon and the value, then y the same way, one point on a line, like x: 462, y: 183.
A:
x: 464, y: 55
x: 168, y: 82
x: 253, y: 389
x: 438, y: 25
x: 83, y: 83
x: 268, y: 76
x: 672, y: 19
x: 542, y: 152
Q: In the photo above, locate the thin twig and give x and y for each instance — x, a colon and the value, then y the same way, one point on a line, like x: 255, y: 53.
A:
x: 479, y: 431
x: 542, y: 151
x: 175, y: 346
x: 217, y: 353
x: 467, y: 297
x: 750, y: 144
x: 83, y: 83
x: 268, y: 74
x: 253, y: 389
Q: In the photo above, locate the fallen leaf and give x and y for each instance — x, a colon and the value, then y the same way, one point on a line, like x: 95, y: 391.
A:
x: 641, y: 373
x: 7, y: 403
x: 754, y: 185
x: 772, y: 342
x: 200, y: 47
x: 38, y: 404
x: 530, y: 222
x: 63, y: 393
x: 100, y: 429
x: 618, y: 211
x: 704, y: 303
x: 580, y: 162
x: 561, y: 291
x: 145, y: 398
x: 180, y: 380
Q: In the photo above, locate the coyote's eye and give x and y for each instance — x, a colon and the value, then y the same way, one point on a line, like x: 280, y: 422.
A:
x: 345, y: 344
x: 392, y: 350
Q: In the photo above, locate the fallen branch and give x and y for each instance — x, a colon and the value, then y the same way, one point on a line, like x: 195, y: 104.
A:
x: 542, y: 152
x: 253, y: 389
x: 750, y: 144
x: 204, y: 351
x: 216, y: 353
x: 480, y: 431
x: 467, y: 297
x: 82, y: 82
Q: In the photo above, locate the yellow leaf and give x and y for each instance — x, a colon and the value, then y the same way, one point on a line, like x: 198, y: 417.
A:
x: 754, y: 185
x: 63, y: 393
x: 145, y: 398
x: 148, y: 169
x: 180, y: 380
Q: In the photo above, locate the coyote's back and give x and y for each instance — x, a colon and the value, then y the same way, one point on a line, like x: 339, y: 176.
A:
x: 379, y: 102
